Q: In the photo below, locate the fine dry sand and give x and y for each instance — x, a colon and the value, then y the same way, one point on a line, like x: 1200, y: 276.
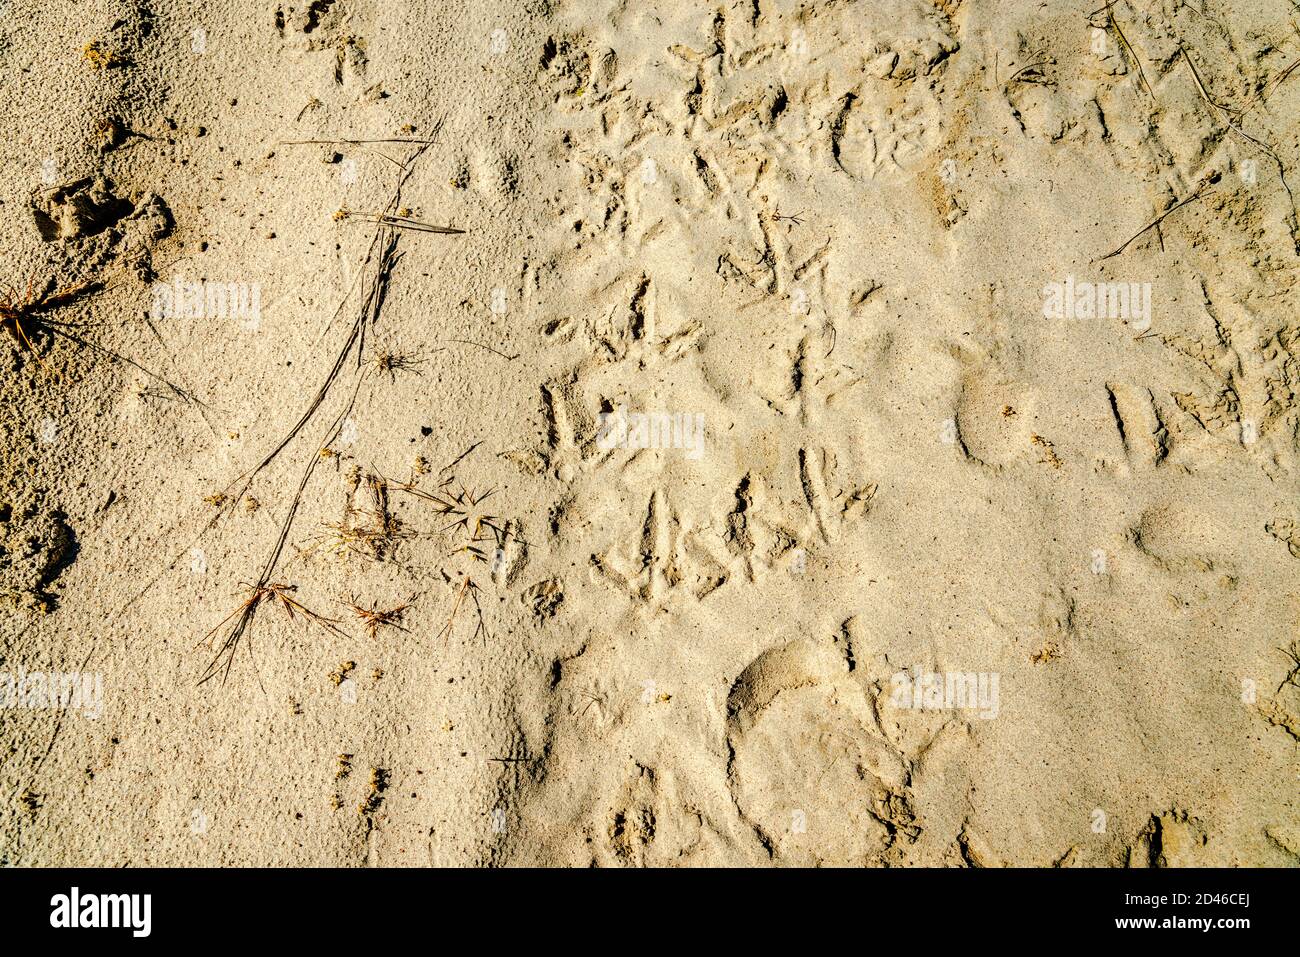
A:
x: 928, y: 394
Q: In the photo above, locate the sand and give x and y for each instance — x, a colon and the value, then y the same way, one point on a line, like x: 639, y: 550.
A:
x: 808, y: 451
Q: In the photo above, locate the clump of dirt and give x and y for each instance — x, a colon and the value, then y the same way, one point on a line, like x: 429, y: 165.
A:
x: 85, y: 207
x: 92, y: 207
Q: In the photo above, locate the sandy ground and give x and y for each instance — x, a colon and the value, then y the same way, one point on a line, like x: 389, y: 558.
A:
x: 793, y: 461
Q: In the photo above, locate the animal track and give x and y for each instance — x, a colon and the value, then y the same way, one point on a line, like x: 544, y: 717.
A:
x: 811, y: 770
x: 36, y: 545
x: 668, y: 558
x: 1171, y: 839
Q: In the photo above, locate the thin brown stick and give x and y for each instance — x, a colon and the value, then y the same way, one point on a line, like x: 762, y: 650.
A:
x: 471, y: 342
x: 445, y: 633
x: 458, y: 459
x: 1128, y: 48
x: 407, y: 140
x: 402, y: 222
x: 1158, y: 220
x: 1262, y: 96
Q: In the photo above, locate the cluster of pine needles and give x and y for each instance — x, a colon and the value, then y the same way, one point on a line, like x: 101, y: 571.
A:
x: 277, y: 593
x: 388, y: 362
x: 23, y: 316
x: 373, y: 618
x: 482, y: 536
x: 368, y: 531
x: 476, y: 526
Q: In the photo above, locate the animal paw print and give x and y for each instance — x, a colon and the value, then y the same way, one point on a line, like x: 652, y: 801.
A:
x: 811, y: 770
